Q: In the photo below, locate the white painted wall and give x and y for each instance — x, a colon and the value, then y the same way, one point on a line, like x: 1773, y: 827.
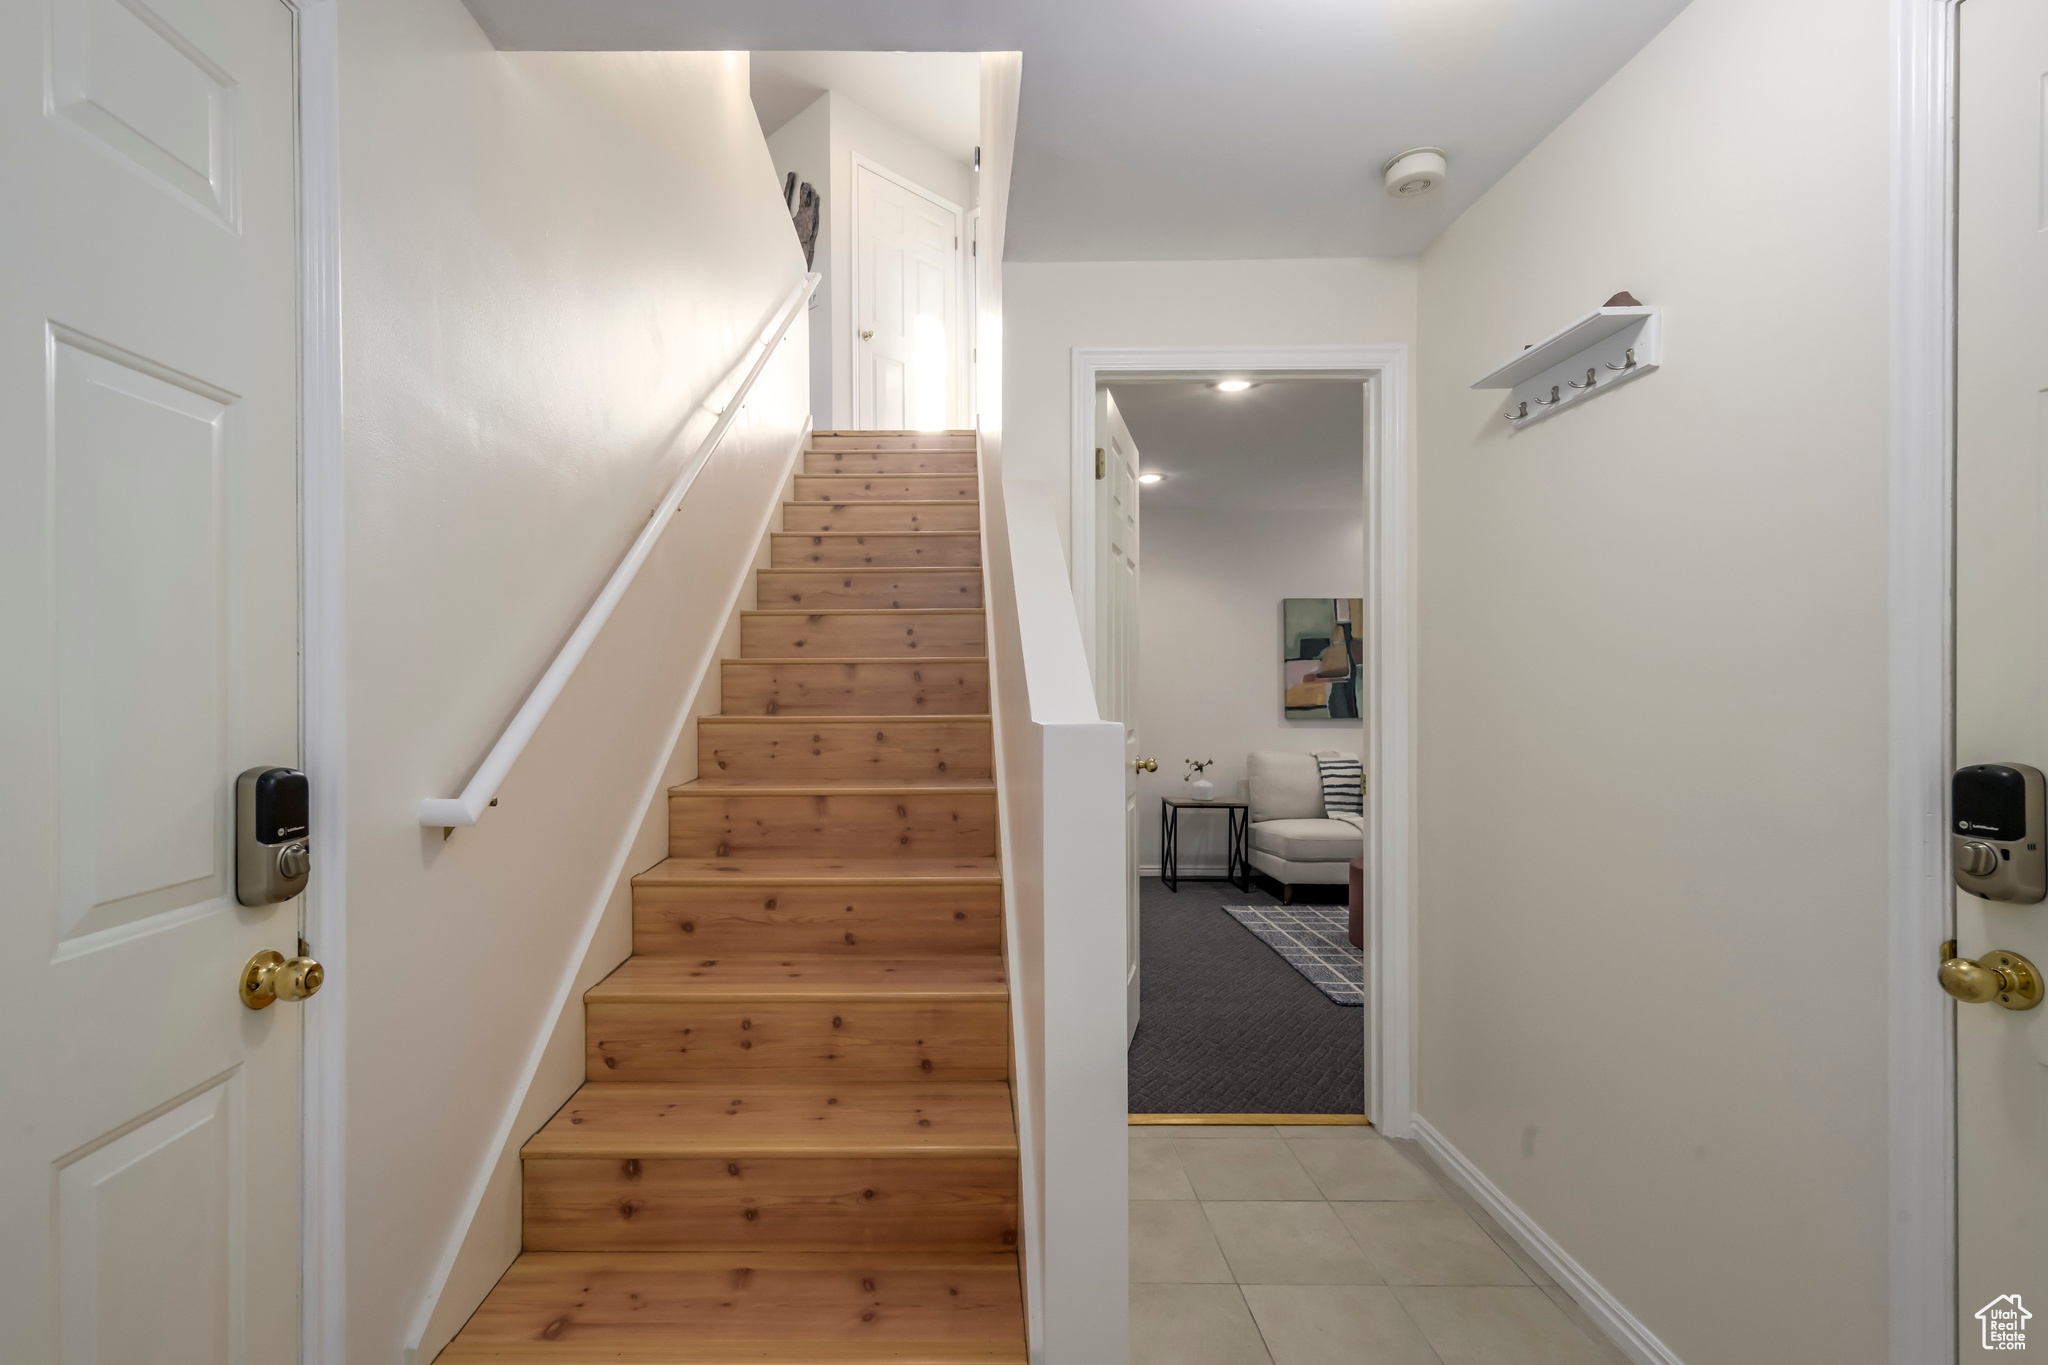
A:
x: 1209, y: 595
x: 1652, y: 693
x: 549, y: 259
x: 854, y: 129
x: 804, y: 145
x: 1054, y: 307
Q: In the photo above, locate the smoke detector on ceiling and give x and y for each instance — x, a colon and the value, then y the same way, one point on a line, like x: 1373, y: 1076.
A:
x: 1416, y: 172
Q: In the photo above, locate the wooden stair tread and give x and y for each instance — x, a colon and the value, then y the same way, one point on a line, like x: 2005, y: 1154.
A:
x: 714, y: 786
x: 782, y: 871
x: 877, y: 569
x: 762, y: 1307
x: 928, y: 659
x: 813, y: 504
x: 740, y: 1118
x: 766, y: 979
x: 866, y: 611
x: 845, y: 720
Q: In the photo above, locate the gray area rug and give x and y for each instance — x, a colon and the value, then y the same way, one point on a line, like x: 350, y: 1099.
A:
x: 1315, y: 940
x: 1227, y: 1027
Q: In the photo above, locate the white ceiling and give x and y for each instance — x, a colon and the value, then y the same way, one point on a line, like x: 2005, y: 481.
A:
x: 1284, y: 445
x: 936, y: 95
x: 1198, y: 129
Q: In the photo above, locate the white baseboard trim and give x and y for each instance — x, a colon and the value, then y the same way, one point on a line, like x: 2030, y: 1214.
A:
x: 1620, y: 1325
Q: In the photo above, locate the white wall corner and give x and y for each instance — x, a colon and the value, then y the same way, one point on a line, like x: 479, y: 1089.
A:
x: 1635, y: 1340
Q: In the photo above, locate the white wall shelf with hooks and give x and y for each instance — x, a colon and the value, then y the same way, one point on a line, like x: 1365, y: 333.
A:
x: 1602, y: 350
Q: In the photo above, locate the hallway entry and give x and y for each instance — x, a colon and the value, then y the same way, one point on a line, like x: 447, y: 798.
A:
x: 1230, y: 552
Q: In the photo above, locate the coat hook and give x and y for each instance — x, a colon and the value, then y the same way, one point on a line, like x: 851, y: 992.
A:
x: 1550, y: 401
x: 1589, y: 380
x: 1519, y: 416
x: 1629, y: 357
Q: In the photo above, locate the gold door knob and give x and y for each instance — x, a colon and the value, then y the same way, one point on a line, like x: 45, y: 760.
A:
x: 1999, y: 976
x: 270, y: 977
x: 867, y: 336
x: 1145, y: 765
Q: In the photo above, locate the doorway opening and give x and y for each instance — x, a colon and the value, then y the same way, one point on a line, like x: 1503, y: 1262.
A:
x: 1229, y: 536
x: 877, y: 156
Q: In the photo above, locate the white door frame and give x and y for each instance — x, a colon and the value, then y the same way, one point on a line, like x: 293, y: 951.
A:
x: 956, y: 340
x: 1390, y: 648
x: 322, y: 677
x: 1920, y: 1019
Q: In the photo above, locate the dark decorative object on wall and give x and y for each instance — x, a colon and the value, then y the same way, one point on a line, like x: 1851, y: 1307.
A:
x: 807, y: 221
x: 1320, y: 657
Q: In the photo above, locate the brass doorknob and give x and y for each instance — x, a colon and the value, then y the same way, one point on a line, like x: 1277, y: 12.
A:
x: 1145, y: 765
x: 867, y: 336
x: 2006, y: 978
x: 270, y: 977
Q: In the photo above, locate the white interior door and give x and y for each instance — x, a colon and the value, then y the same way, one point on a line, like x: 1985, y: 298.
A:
x: 149, y: 1132
x: 2002, y: 643
x: 1116, y: 662
x: 906, y: 247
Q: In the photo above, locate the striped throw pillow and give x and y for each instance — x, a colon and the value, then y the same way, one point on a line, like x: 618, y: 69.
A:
x: 1343, y: 782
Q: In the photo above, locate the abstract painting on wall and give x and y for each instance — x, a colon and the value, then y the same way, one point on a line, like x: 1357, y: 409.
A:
x: 1322, y: 656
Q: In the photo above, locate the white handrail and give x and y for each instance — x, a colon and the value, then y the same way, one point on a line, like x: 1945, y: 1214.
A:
x: 451, y: 812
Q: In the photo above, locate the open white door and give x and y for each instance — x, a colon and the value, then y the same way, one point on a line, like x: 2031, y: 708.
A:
x: 2002, y: 649
x: 1116, y: 659
x: 906, y: 303
x: 149, y: 1122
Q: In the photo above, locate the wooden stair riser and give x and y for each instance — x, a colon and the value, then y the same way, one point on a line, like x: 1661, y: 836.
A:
x: 729, y: 824
x: 868, y: 589
x: 905, y: 518
x: 801, y: 749
x: 928, y: 549
x: 868, y: 688
x: 902, y: 920
x: 892, y: 440
x: 863, y: 635
x: 746, y: 1203
x: 774, y: 1308
x: 806, y: 1040
x: 840, y: 489
x: 889, y: 462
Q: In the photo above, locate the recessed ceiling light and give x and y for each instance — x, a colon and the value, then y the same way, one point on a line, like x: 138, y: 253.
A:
x: 1150, y: 478
x: 1233, y: 385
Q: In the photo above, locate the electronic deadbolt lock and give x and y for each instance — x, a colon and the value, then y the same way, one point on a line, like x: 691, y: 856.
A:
x: 1996, y: 837
x: 271, y: 854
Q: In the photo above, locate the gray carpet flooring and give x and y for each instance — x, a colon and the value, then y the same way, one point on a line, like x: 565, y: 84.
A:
x: 1225, y: 1026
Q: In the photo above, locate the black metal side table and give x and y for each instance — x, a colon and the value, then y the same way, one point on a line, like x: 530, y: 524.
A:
x: 1170, y: 807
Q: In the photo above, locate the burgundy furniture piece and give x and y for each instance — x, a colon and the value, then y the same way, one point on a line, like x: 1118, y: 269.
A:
x: 1358, y: 902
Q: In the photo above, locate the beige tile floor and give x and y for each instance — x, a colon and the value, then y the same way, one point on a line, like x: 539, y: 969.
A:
x: 1329, y: 1246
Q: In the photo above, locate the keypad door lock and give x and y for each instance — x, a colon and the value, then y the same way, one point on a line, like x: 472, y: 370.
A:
x: 1996, y: 832
x: 272, y: 853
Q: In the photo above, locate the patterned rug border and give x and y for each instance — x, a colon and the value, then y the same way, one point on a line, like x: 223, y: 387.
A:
x: 1315, y: 941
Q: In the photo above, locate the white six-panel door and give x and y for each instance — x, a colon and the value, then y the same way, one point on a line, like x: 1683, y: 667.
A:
x: 2002, y: 635
x: 1116, y: 664
x: 906, y: 248
x: 149, y: 1138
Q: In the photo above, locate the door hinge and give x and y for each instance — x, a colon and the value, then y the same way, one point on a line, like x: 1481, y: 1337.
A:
x: 974, y: 247
x: 956, y: 241
x: 1101, y: 464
